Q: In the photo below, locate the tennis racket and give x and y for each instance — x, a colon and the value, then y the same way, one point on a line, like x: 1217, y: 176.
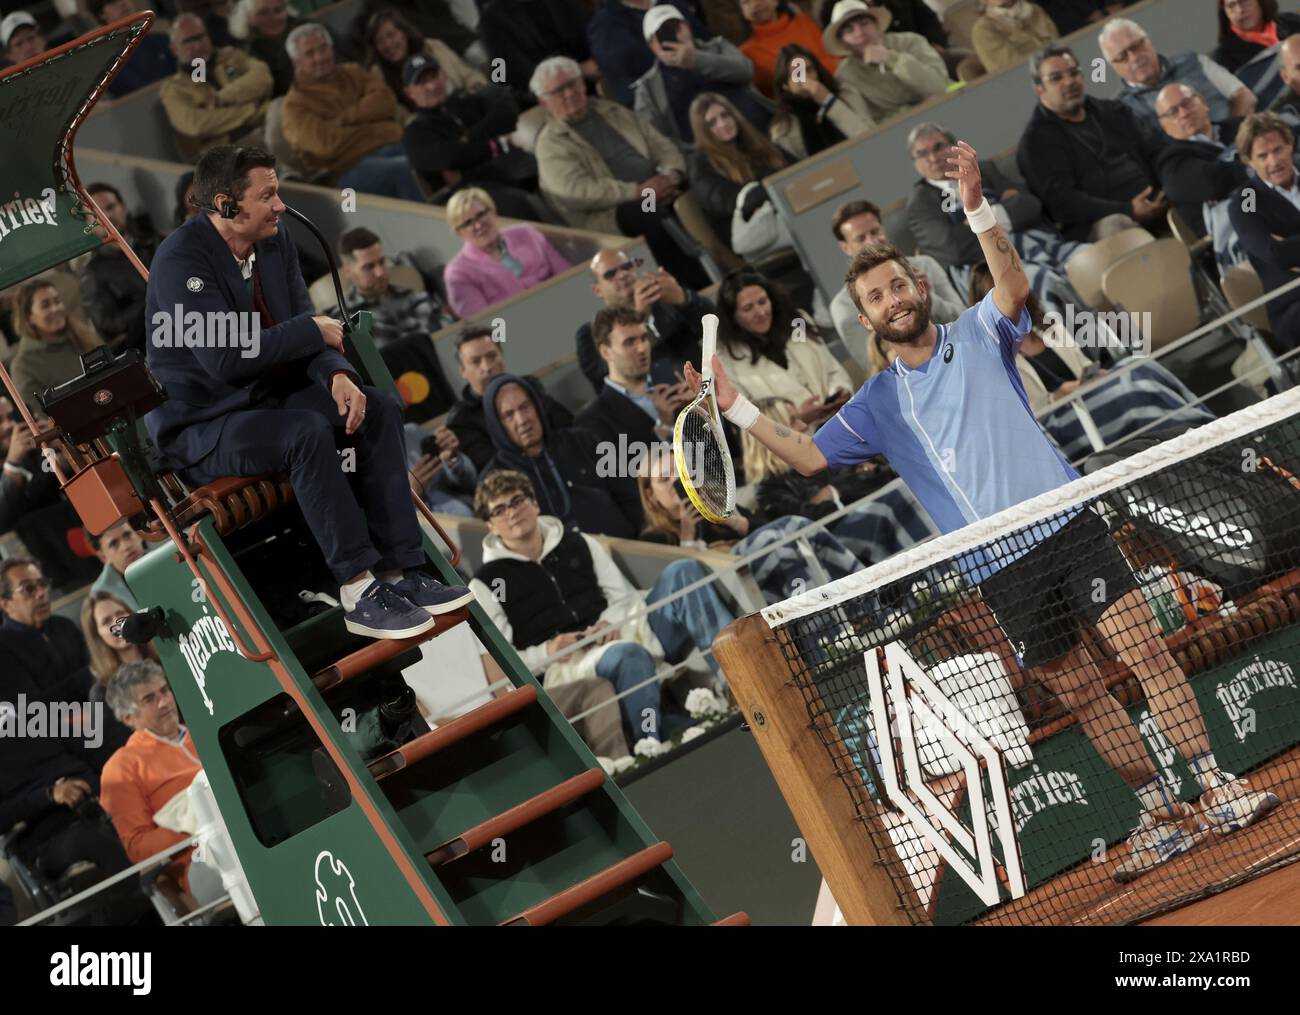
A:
x: 703, y: 459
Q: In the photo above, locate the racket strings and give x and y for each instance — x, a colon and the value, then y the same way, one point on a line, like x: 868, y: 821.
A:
x: 705, y: 461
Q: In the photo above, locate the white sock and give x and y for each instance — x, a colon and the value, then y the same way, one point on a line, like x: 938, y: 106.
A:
x: 1154, y: 796
x: 390, y: 576
x: 1206, y: 770
x: 350, y: 593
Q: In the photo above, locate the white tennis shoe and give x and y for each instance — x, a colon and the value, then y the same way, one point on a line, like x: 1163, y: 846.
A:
x: 1233, y: 805
x: 1159, y: 837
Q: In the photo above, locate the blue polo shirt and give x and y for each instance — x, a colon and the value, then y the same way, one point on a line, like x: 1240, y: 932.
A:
x: 959, y: 431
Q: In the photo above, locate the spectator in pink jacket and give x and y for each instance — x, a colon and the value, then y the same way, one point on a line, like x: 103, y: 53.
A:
x: 494, y: 263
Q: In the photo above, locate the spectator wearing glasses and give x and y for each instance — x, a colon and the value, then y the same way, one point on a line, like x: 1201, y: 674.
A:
x: 458, y: 138
x: 600, y: 163
x: 1249, y: 31
x: 562, y: 464
x: 1090, y: 161
x: 936, y: 219
x: 494, y: 263
x: 225, y: 104
x: 546, y: 587
x: 42, y: 655
x: 1199, y: 168
x: 673, y: 315
x: 20, y: 37
x: 1145, y: 72
x: 893, y: 71
x: 398, y: 312
x: 1009, y: 31
x: 479, y: 358
x: 685, y: 67
x: 1268, y: 219
x: 341, y: 120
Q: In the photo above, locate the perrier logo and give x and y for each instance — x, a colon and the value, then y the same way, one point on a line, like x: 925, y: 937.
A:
x: 204, y: 640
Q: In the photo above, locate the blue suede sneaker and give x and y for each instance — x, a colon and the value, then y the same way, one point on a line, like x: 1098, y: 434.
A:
x: 431, y: 594
x: 383, y: 612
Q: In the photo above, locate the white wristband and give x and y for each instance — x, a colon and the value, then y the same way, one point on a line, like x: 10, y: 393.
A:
x: 982, y: 218
x: 743, y: 413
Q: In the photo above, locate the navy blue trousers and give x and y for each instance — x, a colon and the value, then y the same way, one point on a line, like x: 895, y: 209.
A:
x: 371, y: 526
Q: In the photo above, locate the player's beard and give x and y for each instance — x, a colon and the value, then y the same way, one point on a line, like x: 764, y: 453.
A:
x: 908, y: 334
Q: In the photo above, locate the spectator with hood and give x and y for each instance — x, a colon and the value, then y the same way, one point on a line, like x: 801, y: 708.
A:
x: 561, y: 464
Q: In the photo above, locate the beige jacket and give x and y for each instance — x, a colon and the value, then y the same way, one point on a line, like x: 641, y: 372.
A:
x: 576, y: 180
x: 850, y: 113
x: 333, y: 124
x: 231, y: 101
x: 911, y: 73
x: 1000, y: 45
x: 813, y: 372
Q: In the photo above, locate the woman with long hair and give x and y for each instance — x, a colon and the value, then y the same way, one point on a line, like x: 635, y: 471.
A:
x: 872, y: 532
x: 731, y: 158
x: 671, y: 518
x: 814, y: 109
x: 108, y: 652
x: 50, y: 340
x: 771, y: 349
x: 774, y: 24
x: 392, y: 38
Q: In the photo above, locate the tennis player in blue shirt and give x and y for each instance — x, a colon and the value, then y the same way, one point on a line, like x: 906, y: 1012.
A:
x: 951, y: 416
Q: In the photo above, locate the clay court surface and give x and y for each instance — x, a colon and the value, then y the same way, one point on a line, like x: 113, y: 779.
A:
x: 1088, y: 895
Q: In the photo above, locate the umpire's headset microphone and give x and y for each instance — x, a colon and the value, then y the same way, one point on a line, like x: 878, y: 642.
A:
x: 229, y: 210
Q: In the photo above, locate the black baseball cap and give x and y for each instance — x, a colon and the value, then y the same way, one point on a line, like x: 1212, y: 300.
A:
x: 416, y: 66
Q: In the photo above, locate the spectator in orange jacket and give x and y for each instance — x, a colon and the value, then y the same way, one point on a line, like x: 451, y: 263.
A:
x: 773, y: 25
x: 142, y: 787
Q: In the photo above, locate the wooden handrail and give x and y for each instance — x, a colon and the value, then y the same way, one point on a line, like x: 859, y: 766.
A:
x: 376, y: 653
x: 592, y: 888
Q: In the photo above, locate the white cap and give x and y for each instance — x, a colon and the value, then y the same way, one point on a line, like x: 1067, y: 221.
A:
x: 13, y: 22
x: 657, y: 16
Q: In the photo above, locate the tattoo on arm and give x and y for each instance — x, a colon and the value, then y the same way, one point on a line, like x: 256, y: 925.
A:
x: 782, y: 432
x: 1005, y: 248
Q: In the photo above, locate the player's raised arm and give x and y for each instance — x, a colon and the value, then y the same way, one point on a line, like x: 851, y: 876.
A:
x: 795, y: 449
x: 1010, y: 284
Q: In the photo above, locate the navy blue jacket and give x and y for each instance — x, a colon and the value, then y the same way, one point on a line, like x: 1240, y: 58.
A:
x: 1270, y: 215
x: 566, y: 476
x: 619, y: 48
x: 1070, y: 179
x: 195, y: 270
x: 49, y: 665
x: 1193, y: 172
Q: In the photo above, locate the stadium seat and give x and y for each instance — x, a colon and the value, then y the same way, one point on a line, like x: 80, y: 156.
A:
x: 1087, y: 267
x: 1183, y: 232
x: 970, y: 69
x: 1241, y: 284
x: 1155, y: 277
x: 958, y: 20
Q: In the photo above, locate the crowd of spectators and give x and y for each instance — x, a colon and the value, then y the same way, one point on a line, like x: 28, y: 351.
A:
x: 601, y: 116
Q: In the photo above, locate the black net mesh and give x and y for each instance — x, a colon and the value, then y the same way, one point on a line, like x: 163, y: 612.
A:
x: 1133, y: 659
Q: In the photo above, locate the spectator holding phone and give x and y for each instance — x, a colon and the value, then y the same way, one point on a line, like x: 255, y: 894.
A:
x: 770, y: 349
x: 674, y: 314
x: 685, y: 67
x: 440, y: 475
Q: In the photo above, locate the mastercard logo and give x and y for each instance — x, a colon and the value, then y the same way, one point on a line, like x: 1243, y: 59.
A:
x: 414, y: 387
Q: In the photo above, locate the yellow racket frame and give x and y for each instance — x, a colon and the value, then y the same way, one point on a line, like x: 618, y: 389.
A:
x: 708, y: 345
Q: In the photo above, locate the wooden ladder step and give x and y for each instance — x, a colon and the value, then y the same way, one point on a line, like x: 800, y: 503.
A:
x: 458, y: 729
x: 516, y: 817
x: 734, y: 920
x: 592, y: 888
x: 378, y: 652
